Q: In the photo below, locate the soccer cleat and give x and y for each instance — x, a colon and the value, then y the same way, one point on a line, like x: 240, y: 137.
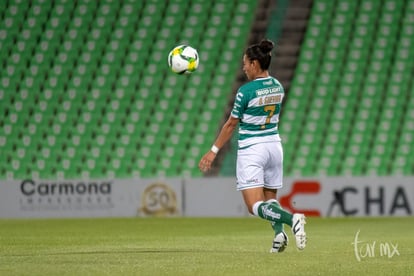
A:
x: 298, y: 229
x: 279, y: 243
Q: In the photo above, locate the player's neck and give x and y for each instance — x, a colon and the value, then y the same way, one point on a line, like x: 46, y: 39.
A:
x: 263, y: 74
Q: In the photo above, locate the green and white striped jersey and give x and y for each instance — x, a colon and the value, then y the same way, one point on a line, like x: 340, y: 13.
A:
x: 257, y: 105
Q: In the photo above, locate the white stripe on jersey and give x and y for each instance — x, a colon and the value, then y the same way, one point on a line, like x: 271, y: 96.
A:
x: 244, y: 131
x: 258, y: 120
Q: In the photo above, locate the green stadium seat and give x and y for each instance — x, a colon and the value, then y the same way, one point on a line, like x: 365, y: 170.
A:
x: 365, y: 100
x: 96, y: 98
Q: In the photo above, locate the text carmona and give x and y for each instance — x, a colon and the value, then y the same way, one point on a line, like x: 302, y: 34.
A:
x: 29, y: 187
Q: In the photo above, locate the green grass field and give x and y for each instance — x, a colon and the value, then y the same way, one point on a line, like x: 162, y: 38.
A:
x: 203, y: 246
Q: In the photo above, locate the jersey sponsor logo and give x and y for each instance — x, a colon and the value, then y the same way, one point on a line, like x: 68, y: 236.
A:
x: 266, y: 91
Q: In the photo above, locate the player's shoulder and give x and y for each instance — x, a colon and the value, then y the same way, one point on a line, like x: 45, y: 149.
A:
x: 271, y: 81
x: 249, y: 87
x: 276, y: 82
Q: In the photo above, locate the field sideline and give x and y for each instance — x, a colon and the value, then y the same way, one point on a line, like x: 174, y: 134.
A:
x: 203, y: 246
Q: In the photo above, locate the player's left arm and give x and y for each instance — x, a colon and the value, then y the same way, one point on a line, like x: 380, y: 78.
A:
x: 224, y: 136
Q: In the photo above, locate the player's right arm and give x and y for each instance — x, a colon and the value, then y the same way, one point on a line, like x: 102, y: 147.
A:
x: 224, y: 136
x: 226, y: 131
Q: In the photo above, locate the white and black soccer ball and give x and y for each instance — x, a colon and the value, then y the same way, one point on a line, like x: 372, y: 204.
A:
x: 183, y: 59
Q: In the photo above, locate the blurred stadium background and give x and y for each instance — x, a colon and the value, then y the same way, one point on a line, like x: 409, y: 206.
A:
x: 85, y: 91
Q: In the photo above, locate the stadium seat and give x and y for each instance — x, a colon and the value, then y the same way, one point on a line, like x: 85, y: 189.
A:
x: 95, y: 97
x: 85, y: 90
x: 357, y: 48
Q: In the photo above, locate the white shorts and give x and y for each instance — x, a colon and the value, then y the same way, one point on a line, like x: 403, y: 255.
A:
x: 260, y: 165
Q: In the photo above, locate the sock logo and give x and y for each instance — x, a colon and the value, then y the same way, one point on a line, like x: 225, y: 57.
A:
x: 268, y: 212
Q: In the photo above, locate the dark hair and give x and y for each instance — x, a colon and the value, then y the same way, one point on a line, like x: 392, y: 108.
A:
x: 261, y: 52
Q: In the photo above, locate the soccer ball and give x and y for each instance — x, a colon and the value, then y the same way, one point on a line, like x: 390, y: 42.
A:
x: 183, y: 59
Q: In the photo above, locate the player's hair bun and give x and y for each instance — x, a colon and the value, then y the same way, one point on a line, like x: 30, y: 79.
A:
x: 261, y: 52
x: 266, y: 46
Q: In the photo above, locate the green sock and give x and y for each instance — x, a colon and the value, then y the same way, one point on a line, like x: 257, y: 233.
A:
x: 273, y: 212
x: 277, y: 226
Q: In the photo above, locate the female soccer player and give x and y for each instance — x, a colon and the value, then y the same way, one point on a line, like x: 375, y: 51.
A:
x: 260, y: 156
